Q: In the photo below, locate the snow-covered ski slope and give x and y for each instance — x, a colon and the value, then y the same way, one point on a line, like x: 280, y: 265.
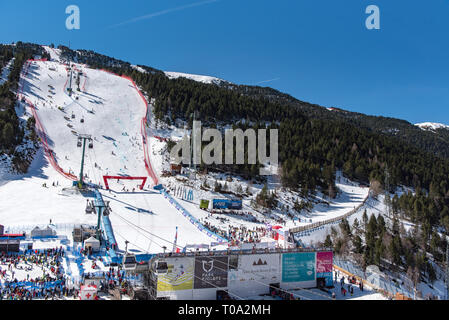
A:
x: 5, y: 72
x: 195, y: 77
x: 112, y: 110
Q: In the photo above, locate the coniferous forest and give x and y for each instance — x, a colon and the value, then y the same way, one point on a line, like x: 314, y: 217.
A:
x: 313, y: 142
x: 11, y: 133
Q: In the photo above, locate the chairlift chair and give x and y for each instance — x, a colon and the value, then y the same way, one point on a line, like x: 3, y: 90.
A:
x: 91, y: 145
x: 106, y: 212
x: 89, y: 209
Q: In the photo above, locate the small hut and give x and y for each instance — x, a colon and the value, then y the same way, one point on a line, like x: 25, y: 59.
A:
x: 92, y: 245
x: 43, y: 233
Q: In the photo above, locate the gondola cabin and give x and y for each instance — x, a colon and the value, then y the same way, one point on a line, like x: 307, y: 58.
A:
x: 129, y: 262
x: 161, y: 267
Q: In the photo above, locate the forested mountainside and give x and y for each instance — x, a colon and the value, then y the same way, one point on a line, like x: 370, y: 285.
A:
x: 6, y: 55
x: 11, y: 133
x: 436, y: 142
x: 314, y: 142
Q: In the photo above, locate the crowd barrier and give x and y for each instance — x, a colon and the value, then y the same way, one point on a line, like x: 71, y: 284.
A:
x: 192, y: 219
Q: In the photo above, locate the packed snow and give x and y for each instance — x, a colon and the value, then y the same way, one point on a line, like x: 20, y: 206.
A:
x: 5, y: 72
x: 110, y: 109
x: 431, y: 126
x: 195, y: 77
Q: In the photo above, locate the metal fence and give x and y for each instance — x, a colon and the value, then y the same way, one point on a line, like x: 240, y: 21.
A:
x: 16, y: 229
x: 306, y: 230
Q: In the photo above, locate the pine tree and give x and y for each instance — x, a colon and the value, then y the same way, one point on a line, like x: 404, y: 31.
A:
x: 365, y: 219
x: 328, y: 242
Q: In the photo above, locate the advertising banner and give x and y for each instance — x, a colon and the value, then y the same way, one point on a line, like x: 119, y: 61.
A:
x: 324, y: 262
x: 235, y: 204
x: 178, y: 277
x: 260, y: 267
x: 227, y: 204
x: 204, y: 204
x: 211, y: 272
x: 298, y: 267
x: 220, y: 203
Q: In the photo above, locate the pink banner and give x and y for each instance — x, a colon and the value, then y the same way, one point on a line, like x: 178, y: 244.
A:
x: 324, y: 261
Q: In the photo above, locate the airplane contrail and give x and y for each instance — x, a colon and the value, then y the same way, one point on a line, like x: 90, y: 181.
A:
x: 265, y: 81
x: 160, y: 13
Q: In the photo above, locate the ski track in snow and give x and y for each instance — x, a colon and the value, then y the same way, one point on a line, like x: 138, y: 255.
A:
x: 115, y: 126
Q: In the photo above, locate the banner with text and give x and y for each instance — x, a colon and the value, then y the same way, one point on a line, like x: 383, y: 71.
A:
x: 298, y: 267
x: 211, y: 272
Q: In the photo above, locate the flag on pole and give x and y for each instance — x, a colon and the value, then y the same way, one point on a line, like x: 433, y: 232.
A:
x: 176, y: 240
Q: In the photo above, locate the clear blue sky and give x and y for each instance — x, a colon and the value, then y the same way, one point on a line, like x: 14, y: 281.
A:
x: 318, y: 51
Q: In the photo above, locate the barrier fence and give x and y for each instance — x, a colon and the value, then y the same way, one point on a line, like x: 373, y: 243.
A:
x: 317, y: 225
x: 192, y: 219
x: 32, y: 285
x: 17, y: 229
x: 108, y: 231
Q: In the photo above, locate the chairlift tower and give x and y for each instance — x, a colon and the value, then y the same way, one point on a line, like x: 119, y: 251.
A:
x: 387, y: 193
x: 83, y: 138
x: 69, y: 89
x: 102, y: 208
x: 192, y: 139
x: 193, y: 147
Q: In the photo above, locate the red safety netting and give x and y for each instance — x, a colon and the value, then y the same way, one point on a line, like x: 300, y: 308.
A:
x: 43, y: 136
x: 145, y: 140
x: 40, y: 130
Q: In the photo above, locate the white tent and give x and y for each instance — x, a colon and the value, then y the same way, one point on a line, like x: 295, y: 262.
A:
x: 92, y: 243
x: 88, y: 292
